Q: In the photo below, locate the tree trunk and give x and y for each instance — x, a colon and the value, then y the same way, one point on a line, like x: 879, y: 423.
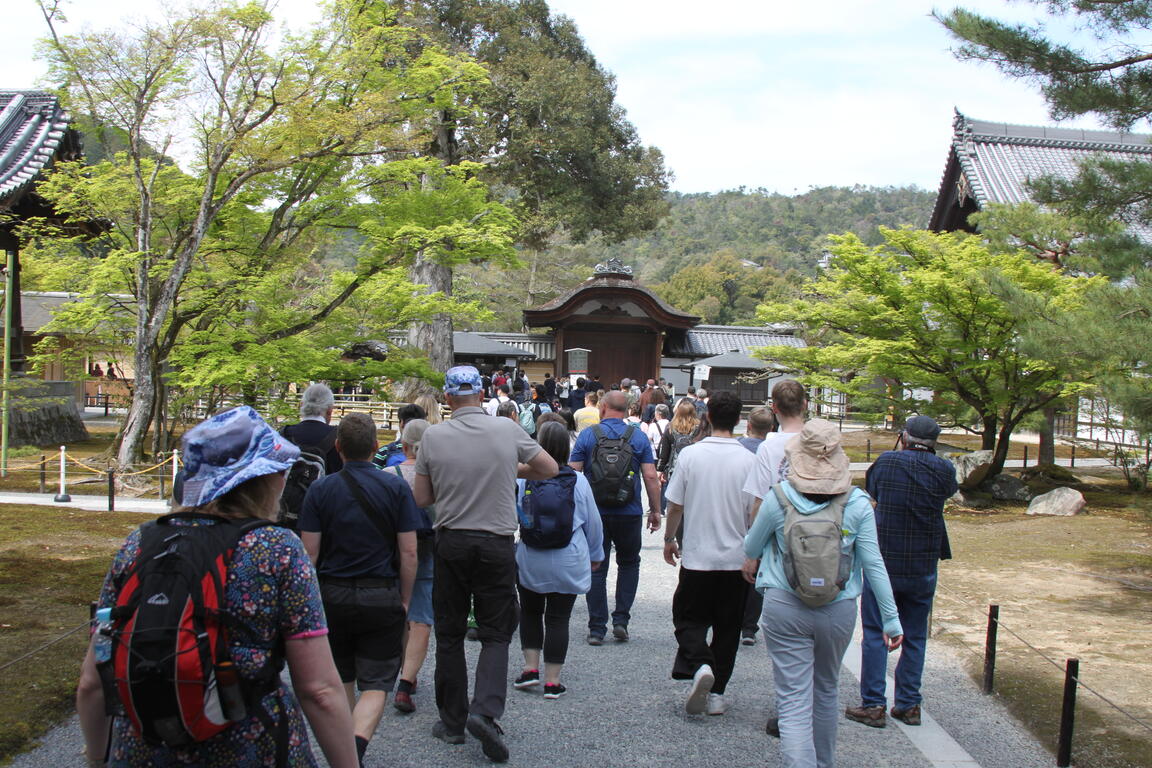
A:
x: 1003, y: 443
x: 533, y: 265
x: 141, y: 409
x: 988, y: 434
x: 1047, y: 452
x: 434, y: 338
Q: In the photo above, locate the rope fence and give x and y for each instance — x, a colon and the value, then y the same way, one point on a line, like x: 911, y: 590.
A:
x: 1070, y: 669
x: 44, y: 647
x: 74, y: 470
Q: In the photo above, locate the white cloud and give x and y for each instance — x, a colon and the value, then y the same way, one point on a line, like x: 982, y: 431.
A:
x: 749, y: 93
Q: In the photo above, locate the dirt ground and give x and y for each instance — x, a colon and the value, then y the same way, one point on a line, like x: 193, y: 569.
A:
x: 1069, y: 587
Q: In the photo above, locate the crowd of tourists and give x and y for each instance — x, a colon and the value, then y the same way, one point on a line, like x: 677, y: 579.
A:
x: 318, y: 549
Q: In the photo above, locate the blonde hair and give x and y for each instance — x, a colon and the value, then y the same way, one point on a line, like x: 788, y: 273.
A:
x: 685, y: 419
x: 431, y: 407
x: 592, y: 398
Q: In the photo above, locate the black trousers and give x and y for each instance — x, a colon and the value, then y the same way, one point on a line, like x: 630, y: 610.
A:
x: 544, y: 623
x: 708, y: 600
x: 473, y: 568
x: 753, y: 607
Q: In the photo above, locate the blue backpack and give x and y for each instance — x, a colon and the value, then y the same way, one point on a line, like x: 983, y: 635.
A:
x: 547, y: 509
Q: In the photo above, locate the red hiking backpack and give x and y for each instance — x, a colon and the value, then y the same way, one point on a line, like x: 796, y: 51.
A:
x: 170, y: 669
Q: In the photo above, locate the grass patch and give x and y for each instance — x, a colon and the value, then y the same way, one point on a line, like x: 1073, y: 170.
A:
x: 1072, y: 587
x: 52, y: 562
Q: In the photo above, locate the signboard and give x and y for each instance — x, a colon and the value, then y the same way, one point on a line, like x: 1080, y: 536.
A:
x: 702, y: 372
x: 577, y: 360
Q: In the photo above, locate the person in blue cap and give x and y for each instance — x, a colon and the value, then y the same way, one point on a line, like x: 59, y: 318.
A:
x: 910, y: 487
x: 467, y: 467
x: 235, y: 465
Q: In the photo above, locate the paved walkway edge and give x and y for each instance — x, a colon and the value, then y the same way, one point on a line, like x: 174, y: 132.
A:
x: 929, y: 737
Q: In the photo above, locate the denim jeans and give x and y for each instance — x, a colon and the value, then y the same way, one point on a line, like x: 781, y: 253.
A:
x: 913, y: 596
x: 623, y: 531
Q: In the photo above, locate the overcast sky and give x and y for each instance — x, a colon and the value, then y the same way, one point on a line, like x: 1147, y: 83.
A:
x: 741, y: 93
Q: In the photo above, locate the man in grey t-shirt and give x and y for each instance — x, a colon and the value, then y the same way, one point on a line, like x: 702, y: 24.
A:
x: 467, y: 467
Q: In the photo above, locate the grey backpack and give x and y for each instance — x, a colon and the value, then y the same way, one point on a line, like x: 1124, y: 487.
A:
x: 816, y: 566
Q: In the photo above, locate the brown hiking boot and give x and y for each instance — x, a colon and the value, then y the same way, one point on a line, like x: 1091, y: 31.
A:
x: 910, y: 716
x: 873, y: 717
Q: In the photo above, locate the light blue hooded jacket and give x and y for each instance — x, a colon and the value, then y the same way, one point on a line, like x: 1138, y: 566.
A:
x: 763, y: 540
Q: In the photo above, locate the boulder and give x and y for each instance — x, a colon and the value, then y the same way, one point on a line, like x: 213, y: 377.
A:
x: 1007, y: 488
x: 1059, y: 501
x: 971, y: 468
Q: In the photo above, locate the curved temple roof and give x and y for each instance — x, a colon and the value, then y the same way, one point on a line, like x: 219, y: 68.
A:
x: 994, y: 162
x: 33, y: 127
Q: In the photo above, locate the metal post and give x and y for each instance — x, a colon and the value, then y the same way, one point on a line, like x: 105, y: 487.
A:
x: 63, y: 496
x: 868, y: 454
x: 175, y: 468
x: 1067, y: 714
x: 160, y: 473
x: 9, y: 309
x: 43, y: 473
x: 990, y: 647
x: 111, y: 489
x: 1025, y: 457
x: 1073, y: 463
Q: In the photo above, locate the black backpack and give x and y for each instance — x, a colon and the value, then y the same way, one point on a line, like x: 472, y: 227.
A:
x: 610, y: 471
x: 309, y: 467
x: 170, y: 671
x: 547, y: 509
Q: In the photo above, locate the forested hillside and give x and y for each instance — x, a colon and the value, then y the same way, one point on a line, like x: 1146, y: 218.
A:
x: 716, y: 255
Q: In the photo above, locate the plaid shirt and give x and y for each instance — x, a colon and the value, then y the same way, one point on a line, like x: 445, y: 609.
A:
x: 910, y: 488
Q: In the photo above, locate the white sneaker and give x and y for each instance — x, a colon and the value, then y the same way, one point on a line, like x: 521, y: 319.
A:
x: 717, y: 705
x: 701, y: 686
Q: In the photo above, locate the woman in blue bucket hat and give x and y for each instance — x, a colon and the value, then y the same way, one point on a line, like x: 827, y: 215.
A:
x: 271, y: 611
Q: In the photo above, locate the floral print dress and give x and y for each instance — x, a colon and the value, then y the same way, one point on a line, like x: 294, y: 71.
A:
x: 272, y: 589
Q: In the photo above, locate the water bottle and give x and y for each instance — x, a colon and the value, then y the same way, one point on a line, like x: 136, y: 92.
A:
x: 230, y: 692
x: 102, y: 648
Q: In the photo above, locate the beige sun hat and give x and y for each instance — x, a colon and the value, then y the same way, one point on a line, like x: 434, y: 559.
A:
x: 816, y: 462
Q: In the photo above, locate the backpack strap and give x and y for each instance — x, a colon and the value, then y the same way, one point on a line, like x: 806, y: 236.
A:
x: 383, y: 525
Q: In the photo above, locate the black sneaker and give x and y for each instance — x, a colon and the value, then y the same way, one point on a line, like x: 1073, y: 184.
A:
x: 748, y: 638
x: 772, y: 727
x: 440, y: 731
x: 472, y: 633
x: 490, y: 735
x: 554, y: 690
x: 528, y: 679
x: 594, y: 639
x: 620, y: 632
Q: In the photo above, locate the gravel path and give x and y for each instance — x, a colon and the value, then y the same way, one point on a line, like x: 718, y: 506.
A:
x: 623, y: 710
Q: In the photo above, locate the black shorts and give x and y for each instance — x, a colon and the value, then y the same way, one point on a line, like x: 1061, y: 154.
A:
x: 366, y: 632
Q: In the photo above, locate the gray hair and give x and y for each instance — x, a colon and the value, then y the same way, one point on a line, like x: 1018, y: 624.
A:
x: 662, y: 411
x: 316, y: 401
x: 909, y: 440
x: 701, y: 393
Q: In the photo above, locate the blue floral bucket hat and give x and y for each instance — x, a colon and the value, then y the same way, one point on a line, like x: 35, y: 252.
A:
x: 463, y: 380
x: 229, y: 449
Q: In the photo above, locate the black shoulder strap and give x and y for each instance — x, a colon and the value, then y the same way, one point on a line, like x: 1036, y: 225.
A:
x: 375, y: 515
x: 627, y: 436
x: 597, y: 433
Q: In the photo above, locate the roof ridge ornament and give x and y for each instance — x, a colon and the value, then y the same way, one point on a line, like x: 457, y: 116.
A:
x: 613, y: 267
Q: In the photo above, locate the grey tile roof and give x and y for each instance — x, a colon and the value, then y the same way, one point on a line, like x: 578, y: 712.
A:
x: 732, y: 360
x: 468, y: 343
x: 32, y: 127
x: 998, y: 159
x: 704, y: 340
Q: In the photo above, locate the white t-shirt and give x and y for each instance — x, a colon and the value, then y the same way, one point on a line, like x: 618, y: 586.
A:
x: 770, y: 464
x: 494, y: 404
x: 708, y: 483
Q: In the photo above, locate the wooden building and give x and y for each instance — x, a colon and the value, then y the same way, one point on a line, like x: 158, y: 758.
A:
x: 614, y: 327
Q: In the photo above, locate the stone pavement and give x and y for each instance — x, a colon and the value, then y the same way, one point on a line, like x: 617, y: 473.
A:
x: 623, y: 710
